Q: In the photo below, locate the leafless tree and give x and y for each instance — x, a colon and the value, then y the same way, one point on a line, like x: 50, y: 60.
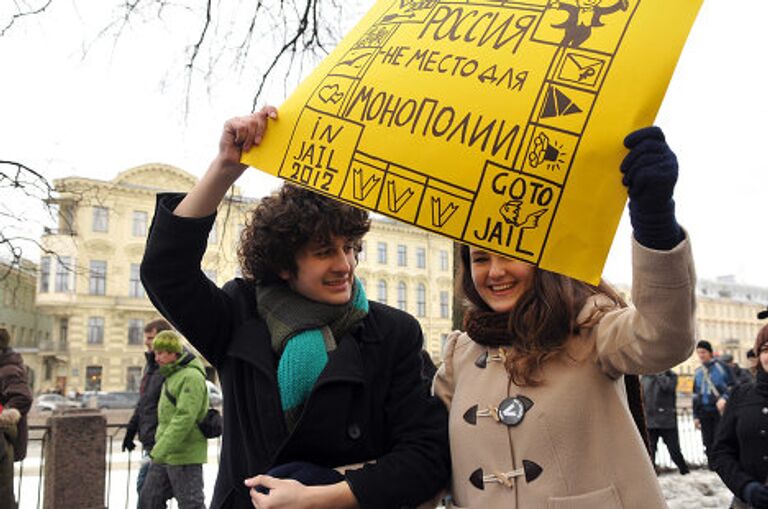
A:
x: 264, y: 41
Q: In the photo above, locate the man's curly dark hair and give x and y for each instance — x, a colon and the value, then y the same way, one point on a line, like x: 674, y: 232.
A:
x: 282, y: 223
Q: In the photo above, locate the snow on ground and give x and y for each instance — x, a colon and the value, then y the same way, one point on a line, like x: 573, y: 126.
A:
x: 699, y: 489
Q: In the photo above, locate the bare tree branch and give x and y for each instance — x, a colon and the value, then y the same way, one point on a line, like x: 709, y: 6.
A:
x: 22, y: 13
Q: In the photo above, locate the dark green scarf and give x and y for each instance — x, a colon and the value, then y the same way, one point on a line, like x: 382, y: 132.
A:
x: 303, y: 331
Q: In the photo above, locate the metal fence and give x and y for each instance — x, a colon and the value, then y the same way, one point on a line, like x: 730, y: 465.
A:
x: 120, y: 475
x: 122, y: 467
x: 690, y: 444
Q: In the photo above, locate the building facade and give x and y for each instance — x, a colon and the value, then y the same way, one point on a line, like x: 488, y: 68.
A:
x: 412, y: 270
x: 726, y: 316
x: 28, y: 328
x: 92, y: 290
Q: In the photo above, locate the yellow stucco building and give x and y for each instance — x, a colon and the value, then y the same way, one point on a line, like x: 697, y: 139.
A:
x: 89, y: 274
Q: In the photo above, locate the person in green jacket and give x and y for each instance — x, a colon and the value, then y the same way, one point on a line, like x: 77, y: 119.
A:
x: 180, y: 448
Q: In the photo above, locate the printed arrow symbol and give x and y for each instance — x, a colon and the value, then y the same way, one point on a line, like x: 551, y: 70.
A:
x: 441, y: 216
x: 361, y: 189
x: 396, y: 202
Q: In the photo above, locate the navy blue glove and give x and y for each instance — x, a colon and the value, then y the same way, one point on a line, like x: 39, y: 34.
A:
x: 307, y: 474
x: 650, y: 174
x: 756, y: 495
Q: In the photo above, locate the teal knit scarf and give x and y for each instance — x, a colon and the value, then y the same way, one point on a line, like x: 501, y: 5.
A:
x: 303, y: 331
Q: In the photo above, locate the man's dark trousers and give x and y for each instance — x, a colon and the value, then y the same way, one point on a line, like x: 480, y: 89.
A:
x: 672, y: 441
x: 709, y: 421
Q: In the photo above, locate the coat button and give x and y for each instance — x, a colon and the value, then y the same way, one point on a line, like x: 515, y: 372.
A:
x: 765, y: 458
x: 512, y: 410
x: 353, y: 431
x: 765, y: 410
x: 762, y: 432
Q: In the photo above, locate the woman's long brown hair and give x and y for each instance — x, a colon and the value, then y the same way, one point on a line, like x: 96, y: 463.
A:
x: 543, y: 319
x: 541, y: 323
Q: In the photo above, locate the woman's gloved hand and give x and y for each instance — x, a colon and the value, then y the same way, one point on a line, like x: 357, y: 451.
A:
x: 650, y: 174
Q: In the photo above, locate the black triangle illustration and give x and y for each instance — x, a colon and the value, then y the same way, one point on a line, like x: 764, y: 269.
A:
x: 558, y: 104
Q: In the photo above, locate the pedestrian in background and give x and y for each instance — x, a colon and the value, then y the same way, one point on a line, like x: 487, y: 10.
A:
x: 660, y: 399
x: 752, y: 363
x: 180, y: 450
x: 711, y: 385
x: 740, y: 375
x: 540, y: 386
x: 15, y: 400
x: 740, y: 452
x: 144, y: 418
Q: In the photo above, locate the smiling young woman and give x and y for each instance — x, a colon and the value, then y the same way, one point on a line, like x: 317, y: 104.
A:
x: 541, y: 384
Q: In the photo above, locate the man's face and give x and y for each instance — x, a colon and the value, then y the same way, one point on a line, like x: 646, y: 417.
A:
x: 704, y: 355
x: 164, y: 358
x: 148, y: 337
x: 325, y: 272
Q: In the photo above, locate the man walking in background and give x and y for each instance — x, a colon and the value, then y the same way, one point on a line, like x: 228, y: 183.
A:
x: 144, y: 418
x: 659, y: 393
x: 15, y: 401
x: 176, y: 467
x: 711, y: 384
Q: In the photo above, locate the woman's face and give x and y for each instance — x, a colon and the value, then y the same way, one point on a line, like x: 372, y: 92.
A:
x: 499, y: 281
x: 763, y: 356
x: 325, y: 272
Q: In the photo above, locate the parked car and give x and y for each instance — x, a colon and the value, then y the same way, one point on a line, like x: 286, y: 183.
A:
x: 214, y: 394
x: 50, y: 402
x: 111, y: 400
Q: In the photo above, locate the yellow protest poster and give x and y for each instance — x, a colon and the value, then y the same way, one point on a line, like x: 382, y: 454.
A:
x: 498, y: 123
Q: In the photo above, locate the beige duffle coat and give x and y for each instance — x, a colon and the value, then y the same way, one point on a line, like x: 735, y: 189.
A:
x: 570, y: 442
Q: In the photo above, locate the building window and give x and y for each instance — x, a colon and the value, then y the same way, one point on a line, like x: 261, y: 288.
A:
x: 135, y: 331
x: 45, y: 274
x: 421, y: 257
x: 67, y: 219
x: 443, y: 259
x: 63, y: 274
x: 402, y: 256
x: 381, y: 249
x: 382, y: 291
x: 93, y: 378
x: 133, y: 379
x: 421, y: 300
x: 63, y: 332
x: 135, y: 289
x: 100, y: 219
x: 361, y: 256
x: 212, y: 235
x: 402, y: 302
x: 444, y: 305
x: 139, y: 223
x: 96, y: 330
x: 443, y: 341
x: 97, y: 282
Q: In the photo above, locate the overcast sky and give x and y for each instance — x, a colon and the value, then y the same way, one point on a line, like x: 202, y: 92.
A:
x: 121, y: 107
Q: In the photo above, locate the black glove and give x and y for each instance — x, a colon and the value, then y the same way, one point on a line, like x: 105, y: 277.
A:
x: 650, y: 174
x: 307, y: 474
x: 128, y: 444
x: 756, y: 495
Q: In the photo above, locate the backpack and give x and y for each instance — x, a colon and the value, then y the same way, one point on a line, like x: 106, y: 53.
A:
x: 210, y: 426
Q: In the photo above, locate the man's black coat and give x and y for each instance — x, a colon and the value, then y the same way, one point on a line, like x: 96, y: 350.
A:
x: 660, y: 400
x: 144, y: 418
x: 370, y: 402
